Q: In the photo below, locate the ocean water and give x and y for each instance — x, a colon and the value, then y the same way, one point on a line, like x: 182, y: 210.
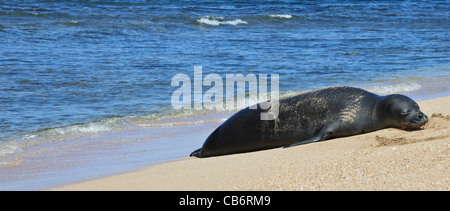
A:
x: 95, y: 76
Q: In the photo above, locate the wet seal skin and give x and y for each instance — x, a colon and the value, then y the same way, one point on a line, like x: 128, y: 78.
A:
x: 313, y: 116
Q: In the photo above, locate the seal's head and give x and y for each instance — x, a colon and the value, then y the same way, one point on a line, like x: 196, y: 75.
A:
x: 403, y: 112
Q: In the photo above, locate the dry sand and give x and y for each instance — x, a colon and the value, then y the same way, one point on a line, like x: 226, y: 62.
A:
x: 389, y: 159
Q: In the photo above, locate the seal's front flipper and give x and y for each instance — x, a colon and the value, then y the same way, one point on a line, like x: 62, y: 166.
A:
x: 196, y: 153
x: 311, y: 140
x: 324, y: 133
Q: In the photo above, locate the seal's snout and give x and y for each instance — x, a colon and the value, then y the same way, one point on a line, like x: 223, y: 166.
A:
x: 418, y: 121
x: 422, y: 117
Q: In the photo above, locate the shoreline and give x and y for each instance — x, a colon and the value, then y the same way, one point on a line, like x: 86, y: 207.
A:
x: 388, y: 159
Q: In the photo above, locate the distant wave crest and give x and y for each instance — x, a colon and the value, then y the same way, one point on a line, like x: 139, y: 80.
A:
x: 285, y: 16
x: 216, y: 21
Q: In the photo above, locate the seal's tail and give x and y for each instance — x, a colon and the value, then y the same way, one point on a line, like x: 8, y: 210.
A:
x: 196, y: 153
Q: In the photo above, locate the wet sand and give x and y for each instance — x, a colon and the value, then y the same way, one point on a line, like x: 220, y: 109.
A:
x: 389, y: 159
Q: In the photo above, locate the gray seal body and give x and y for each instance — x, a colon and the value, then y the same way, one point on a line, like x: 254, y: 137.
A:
x: 310, y: 117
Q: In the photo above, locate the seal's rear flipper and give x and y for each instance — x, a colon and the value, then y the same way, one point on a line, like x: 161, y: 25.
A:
x: 196, y: 153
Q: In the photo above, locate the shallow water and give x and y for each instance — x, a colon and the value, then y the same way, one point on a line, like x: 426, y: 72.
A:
x: 75, y: 75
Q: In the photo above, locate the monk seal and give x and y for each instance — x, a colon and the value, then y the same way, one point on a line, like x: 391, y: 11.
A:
x: 310, y: 117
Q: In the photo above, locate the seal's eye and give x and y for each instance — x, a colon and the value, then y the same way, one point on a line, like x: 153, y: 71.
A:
x: 405, y: 113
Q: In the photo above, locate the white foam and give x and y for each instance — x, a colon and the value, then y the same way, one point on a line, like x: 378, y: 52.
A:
x: 180, y: 123
x: 216, y: 21
x: 89, y: 128
x: 60, y: 133
x: 57, y: 134
x: 395, y: 88
x: 103, y: 125
x: 286, y: 16
x: 8, y: 148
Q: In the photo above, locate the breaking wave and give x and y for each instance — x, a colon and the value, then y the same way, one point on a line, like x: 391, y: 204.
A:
x: 216, y: 21
x: 395, y: 88
x: 285, y: 16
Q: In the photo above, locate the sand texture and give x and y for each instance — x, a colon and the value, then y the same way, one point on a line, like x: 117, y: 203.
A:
x: 389, y: 159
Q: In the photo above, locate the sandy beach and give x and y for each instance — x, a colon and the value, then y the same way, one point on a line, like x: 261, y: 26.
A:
x: 389, y: 159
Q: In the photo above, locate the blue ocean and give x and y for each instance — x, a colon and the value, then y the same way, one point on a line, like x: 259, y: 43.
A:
x: 85, y: 86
